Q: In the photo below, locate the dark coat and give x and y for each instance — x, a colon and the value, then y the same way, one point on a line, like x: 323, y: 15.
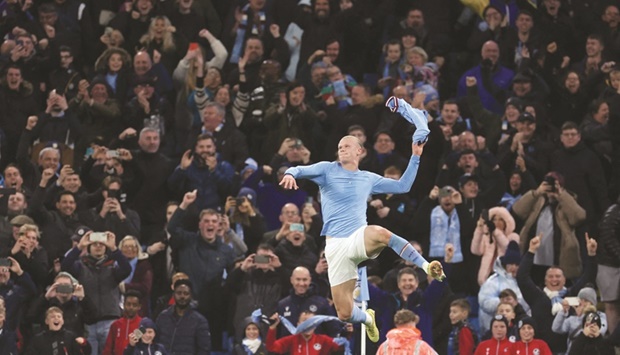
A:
x: 186, y: 335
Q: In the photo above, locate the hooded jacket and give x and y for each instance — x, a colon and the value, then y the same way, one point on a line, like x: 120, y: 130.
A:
x: 481, y: 245
x: 118, y: 335
x: 572, y: 325
x: 488, y: 297
x: 405, y: 341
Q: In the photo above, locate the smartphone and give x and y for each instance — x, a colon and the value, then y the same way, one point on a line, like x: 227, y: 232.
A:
x: 139, y: 332
x: 100, y: 237
x: 64, y: 288
x: 5, y: 262
x: 20, y: 42
x: 112, y: 154
x: 8, y: 191
x: 485, y: 215
x: 239, y: 201
x: 193, y: 46
x: 114, y: 194
x: 297, y: 227
x: 262, y: 259
x: 551, y: 181
x: 572, y: 301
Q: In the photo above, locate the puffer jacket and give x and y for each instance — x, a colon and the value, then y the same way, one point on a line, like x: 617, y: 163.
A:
x: 186, y: 335
x: 405, y: 341
x: 488, y: 297
x: 571, y: 325
x: 482, y: 246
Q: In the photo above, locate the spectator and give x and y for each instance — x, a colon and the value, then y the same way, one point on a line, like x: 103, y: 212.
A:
x: 567, y: 323
x: 120, y: 330
x: 294, y: 252
x: 113, y: 213
x: 506, y: 268
x: 101, y: 269
x: 29, y: 254
x: 147, y: 342
x: 15, y: 292
x: 202, y: 168
x: 546, y: 303
x: 462, y: 338
x: 69, y: 296
x: 56, y: 336
x: 183, y: 329
x: 609, y: 264
x: 527, y: 332
x: 590, y: 340
x: 247, y: 221
x: 383, y: 155
x: 114, y: 66
x: 252, y: 342
x: 303, y: 297
x: 206, y: 260
x: 252, y: 276
x: 494, y: 77
x: 321, y: 344
x: 499, y: 344
x: 141, y: 277
x: 550, y: 210
x: 8, y: 340
x: 289, y: 215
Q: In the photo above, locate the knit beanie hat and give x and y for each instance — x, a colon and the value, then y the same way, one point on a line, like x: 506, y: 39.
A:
x: 527, y: 320
x: 147, y: 323
x: 588, y: 294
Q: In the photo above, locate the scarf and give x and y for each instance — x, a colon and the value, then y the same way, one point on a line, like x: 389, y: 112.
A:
x: 252, y: 345
x: 257, y: 29
x: 556, y: 299
x: 133, y: 262
x: 445, y: 229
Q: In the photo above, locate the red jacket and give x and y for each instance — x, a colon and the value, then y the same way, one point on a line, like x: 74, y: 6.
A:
x: 494, y: 347
x: 534, y: 347
x: 318, y: 344
x: 466, y: 341
x: 118, y: 336
x: 405, y: 341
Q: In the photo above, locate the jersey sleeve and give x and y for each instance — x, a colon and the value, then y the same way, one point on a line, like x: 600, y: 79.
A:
x: 390, y: 186
x: 315, y: 172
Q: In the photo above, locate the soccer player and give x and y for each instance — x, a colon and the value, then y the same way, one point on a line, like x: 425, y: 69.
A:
x: 349, y: 240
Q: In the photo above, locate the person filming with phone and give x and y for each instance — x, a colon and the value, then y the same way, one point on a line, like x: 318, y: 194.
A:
x: 245, y: 219
x: 100, y: 271
x: 113, y: 214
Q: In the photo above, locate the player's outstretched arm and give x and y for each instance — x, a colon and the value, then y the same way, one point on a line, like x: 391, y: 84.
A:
x: 289, y: 183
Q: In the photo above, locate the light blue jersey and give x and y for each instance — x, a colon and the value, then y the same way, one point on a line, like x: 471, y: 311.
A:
x: 344, y: 193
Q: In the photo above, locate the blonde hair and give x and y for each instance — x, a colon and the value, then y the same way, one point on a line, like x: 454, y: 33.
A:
x: 29, y: 228
x: 168, y: 39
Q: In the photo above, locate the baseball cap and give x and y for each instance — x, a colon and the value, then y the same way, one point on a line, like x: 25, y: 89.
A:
x: 526, y: 117
x: 79, y: 233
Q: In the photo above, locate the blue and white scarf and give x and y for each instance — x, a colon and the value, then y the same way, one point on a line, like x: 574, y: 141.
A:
x: 445, y: 229
x: 256, y: 29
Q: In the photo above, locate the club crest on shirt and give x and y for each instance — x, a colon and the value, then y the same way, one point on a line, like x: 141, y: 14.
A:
x: 317, y: 346
x: 313, y: 308
x: 536, y: 351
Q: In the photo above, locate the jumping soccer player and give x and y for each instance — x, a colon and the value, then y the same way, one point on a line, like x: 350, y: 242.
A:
x: 349, y: 240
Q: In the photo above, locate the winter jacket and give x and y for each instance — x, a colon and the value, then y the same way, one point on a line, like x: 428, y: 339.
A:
x: 405, y: 341
x: 591, y: 346
x: 567, y: 216
x: 186, y: 335
x: 481, y: 245
x: 203, y: 262
x: 100, y: 279
x: 488, y: 297
x: 540, y: 303
x: 241, y: 349
x: 572, y: 325
x: 494, y: 347
x: 534, y: 347
x: 291, y: 307
x: 48, y: 342
x: 292, y: 256
x: 143, y: 349
x: 318, y: 344
x: 608, y: 252
x: 75, y: 313
x: 118, y: 335
x: 462, y: 340
x: 8, y: 342
x: 15, y: 293
x: 501, y: 79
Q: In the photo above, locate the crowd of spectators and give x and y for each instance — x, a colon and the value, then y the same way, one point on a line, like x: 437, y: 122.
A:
x: 142, y: 143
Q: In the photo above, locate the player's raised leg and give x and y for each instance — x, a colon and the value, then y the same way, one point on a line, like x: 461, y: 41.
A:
x: 342, y: 295
x: 377, y: 238
x: 417, y: 117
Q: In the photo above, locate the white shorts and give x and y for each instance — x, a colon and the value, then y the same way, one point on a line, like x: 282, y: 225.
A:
x: 343, y: 255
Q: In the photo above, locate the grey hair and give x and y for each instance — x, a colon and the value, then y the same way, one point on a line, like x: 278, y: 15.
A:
x: 221, y: 111
x: 148, y: 129
x: 48, y: 149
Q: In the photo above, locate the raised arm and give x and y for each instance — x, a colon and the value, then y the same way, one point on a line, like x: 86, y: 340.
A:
x: 385, y: 185
x: 314, y: 172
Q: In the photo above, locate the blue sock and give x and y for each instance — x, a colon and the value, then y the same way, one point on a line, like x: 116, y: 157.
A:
x: 359, y: 316
x: 406, y: 251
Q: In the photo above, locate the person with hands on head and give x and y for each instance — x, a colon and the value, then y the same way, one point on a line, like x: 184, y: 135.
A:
x: 545, y: 304
x: 15, y: 290
x: 100, y: 271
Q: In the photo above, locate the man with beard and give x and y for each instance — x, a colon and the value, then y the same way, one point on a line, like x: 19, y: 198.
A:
x: 202, y: 169
x: 17, y: 102
x: 182, y: 330
x: 205, y: 259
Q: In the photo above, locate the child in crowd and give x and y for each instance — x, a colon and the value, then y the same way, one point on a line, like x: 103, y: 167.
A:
x: 499, y: 343
x: 527, y: 344
x: 317, y: 344
x: 462, y: 340
x: 252, y: 343
x: 118, y: 336
x: 56, y: 337
x: 143, y: 342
